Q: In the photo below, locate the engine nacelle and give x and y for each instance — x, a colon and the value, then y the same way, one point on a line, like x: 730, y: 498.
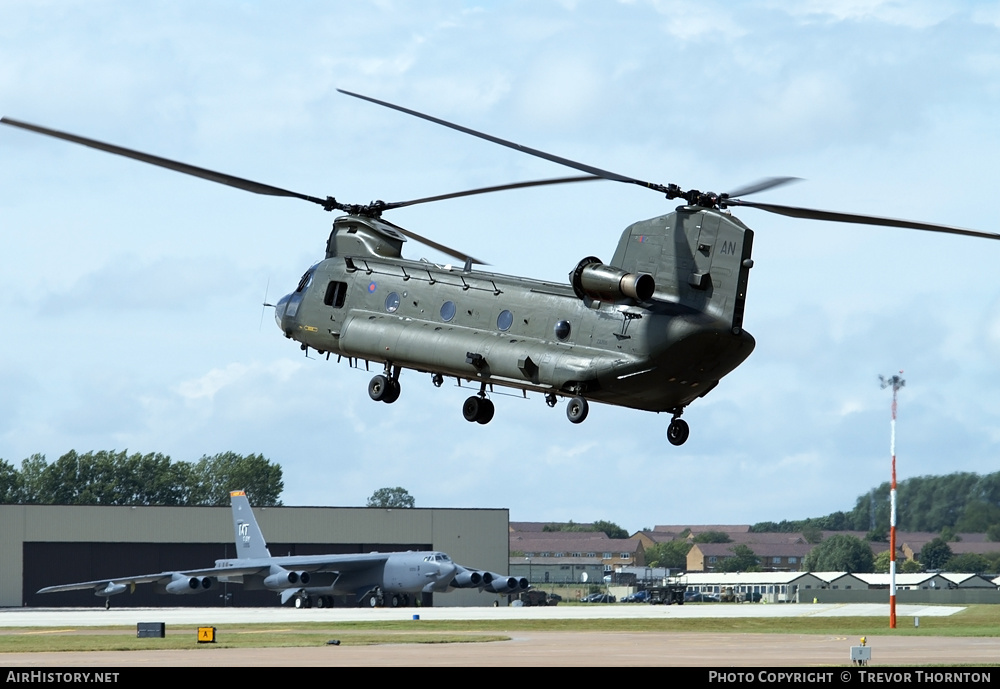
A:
x: 467, y: 580
x: 283, y: 579
x: 593, y: 279
x: 501, y: 584
x: 182, y: 585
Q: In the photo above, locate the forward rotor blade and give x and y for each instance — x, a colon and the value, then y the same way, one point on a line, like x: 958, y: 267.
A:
x: 454, y: 253
x: 194, y: 171
x: 487, y: 190
x: 832, y: 216
x: 589, y: 169
x: 762, y: 185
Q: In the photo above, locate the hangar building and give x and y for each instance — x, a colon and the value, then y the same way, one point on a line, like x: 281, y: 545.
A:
x: 47, y: 545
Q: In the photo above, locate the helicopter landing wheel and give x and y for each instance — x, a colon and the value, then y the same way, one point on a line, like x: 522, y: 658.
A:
x: 478, y: 409
x: 437, y: 379
x: 550, y: 399
x: 678, y: 432
x: 382, y: 389
x: 377, y: 388
x: 392, y: 392
x: 486, y: 410
x: 577, y: 409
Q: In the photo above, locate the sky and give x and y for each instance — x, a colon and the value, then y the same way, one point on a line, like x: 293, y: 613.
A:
x: 132, y: 295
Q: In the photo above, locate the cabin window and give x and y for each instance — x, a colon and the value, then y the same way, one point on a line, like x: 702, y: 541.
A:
x: 448, y: 311
x: 562, y: 330
x: 505, y: 320
x: 336, y: 292
x: 392, y: 302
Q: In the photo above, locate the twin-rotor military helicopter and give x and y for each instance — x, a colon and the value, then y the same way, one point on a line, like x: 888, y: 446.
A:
x: 655, y: 328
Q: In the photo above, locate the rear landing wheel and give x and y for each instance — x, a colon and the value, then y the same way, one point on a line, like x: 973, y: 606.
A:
x: 486, y: 410
x: 678, y: 432
x: 478, y: 409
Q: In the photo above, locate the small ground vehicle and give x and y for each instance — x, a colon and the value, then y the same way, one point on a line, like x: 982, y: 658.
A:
x: 535, y: 597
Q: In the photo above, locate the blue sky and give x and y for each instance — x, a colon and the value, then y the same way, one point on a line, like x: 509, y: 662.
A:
x: 131, y: 295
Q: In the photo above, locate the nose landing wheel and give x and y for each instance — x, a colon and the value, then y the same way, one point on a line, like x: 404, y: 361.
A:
x: 577, y: 409
x: 678, y: 431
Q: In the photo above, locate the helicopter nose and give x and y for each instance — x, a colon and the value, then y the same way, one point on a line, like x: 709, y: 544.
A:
x: 280, y: 311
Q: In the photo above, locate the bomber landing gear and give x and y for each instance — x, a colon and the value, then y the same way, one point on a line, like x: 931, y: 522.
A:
x: 374, y: 599
x: 678, y: 431
x: 577, y: 409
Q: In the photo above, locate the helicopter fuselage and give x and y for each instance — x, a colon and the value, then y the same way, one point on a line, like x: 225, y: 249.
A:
x: 598, y: 337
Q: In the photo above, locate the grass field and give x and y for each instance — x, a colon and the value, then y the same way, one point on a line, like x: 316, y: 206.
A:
x: 976, y: 620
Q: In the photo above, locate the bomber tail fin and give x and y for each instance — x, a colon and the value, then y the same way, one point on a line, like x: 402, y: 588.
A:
x: 249, y: 539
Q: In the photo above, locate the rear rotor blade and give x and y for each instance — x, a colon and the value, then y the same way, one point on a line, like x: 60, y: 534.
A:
x: 589, y: 169
x: 857, y: 219
x: 211, y: 175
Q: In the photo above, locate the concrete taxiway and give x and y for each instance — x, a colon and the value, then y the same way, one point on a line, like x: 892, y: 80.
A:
x: 534, y: 648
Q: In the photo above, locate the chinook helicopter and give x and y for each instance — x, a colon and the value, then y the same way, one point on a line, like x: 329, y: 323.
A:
x: 655, y: 328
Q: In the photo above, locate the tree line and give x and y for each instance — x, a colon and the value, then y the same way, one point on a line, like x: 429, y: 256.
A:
x: 110, y: 477
x: 957, y: 502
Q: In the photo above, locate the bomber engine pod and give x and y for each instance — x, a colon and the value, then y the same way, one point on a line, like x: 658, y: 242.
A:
x: 281, y: 578
x: 467, y: 579
x: 591, y: 278
x: 183, y: 585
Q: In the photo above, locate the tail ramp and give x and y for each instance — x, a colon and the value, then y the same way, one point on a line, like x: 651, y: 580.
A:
x: 250, y: 541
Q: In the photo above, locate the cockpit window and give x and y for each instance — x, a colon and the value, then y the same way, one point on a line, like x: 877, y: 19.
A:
x: 306, y: 279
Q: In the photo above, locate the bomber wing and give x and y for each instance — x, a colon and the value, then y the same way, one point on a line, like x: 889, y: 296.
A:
x: 162, y: 578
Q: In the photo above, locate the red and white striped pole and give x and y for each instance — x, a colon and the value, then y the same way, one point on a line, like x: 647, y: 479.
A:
x: 896, y: 383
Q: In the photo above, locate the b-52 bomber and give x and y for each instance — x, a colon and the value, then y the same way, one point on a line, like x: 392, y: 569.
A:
x: 375, y: 579
x: 655, y: 328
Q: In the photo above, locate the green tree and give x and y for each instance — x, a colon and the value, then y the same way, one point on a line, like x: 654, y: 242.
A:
x: 391, y: 498
x: 712, y: 537
x: 904, y: 566
x: 9, y: 483
x: 968, y: 562
x: 610, y: 528
x: 216, y: 476
x: 30, y: 488
x: 742, y: 559
x: 840, y: 553
x: 812, y: 533
x: 672, y: 554
x: 935, y: 554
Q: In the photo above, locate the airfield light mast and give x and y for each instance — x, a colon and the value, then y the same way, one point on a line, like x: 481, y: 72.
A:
x: 895, y: 382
